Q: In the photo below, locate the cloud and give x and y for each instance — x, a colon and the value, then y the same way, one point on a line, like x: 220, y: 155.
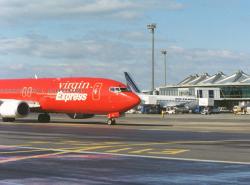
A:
x: 182, y: 62
x: 208, y: 54
x: 36, y: 54
x: 62, y: 49
x: 32, y: 10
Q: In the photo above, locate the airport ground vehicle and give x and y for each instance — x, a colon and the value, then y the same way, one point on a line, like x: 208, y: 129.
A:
x: 210, y: 110
x: 181, y: 110
x: 206, y: 111
x: 224, y: 110
x: 150, y: 109
x: 170, y: 110
x: 174, y: 110
x: 80, y: 98
x: 239, y: 110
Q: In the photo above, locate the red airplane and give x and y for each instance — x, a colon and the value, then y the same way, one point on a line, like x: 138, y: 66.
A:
x: 80, y: 98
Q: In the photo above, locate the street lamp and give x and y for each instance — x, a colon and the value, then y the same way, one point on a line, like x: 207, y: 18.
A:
x: 151, y: 28
x: 164, y: 52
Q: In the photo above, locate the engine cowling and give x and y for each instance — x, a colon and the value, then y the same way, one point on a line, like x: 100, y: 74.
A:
x: 80, y: 116
x: 14, y: 109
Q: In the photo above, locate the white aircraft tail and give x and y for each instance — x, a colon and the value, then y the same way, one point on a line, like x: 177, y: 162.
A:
x: 131, y: 83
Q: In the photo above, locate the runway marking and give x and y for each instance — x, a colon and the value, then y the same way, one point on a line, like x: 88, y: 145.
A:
x: 115, y: 148
x: 14, y: 159
x: 22, y: 151
x: 118, y: 150
x: 90, y: 143
x: 177, y: 158
x: 177, y: 142
x: 6, y: 147
x: 141, y: 151
x: 170, y: 151
x: 61, y: 151
x: 92, y: 148
x: 21, y: 145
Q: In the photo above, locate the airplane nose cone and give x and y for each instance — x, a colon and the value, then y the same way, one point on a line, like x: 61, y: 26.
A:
x: 137, y: 100
x: 127, y: 101
x: 134, y: 100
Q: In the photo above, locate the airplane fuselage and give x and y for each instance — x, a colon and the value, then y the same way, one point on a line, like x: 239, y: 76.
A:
x: 71, y: 95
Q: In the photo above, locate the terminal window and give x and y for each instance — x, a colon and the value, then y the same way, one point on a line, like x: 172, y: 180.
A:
x: 199, y: 94
x: 211, y: 94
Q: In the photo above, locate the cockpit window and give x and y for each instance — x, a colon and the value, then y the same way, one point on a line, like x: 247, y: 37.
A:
x: 124, y: 89
x: 119, y: 89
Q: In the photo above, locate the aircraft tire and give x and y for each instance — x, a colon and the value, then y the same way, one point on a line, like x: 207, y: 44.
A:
x: 111, y: 121
x: 44, y: 118
x: 8, y: 119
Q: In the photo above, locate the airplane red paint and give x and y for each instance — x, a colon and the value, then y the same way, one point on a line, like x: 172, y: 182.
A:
x: 78, y: 97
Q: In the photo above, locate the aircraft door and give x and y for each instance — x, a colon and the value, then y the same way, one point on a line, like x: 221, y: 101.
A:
x: 96, y: 93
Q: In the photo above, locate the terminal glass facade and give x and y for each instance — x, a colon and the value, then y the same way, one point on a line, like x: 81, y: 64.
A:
x: 172, y: 91
x: 235, y: 92
x: 169, y: 91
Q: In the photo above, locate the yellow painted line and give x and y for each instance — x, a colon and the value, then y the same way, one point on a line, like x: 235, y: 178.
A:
x: 92, y: 148
x: 122, y: 144
x: 64, y: 149
x: 141, y: 151
x: 89, y: 143
x: 118, y: 150
x: 59, y: 151
x: 170, y: 143
x: 169, y: 152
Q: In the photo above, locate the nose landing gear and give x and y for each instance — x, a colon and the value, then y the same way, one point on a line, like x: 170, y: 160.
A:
x: 111, y: 118
x: 111, y: 121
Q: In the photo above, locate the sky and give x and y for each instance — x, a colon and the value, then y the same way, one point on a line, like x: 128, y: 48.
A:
x: 104, y: 38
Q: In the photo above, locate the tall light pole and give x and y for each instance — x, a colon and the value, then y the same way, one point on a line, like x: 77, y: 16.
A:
x: 151, y: 28
x: 164, y: 52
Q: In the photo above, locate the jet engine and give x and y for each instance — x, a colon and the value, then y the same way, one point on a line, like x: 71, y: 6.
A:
x: 14, y: 109
x: 80, y: 116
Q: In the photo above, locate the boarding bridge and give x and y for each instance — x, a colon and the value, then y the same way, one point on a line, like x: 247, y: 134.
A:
x: 207, y: 95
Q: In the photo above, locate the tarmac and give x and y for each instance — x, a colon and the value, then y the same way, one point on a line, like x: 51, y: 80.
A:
x: 140, y: 149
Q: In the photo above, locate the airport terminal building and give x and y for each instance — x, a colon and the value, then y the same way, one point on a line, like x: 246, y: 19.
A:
x: 216, y: 90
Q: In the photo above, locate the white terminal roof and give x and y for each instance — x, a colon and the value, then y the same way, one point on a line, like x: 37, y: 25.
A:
x: 238, y: 78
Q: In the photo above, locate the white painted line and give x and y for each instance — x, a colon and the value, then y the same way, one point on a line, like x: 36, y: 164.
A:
x: 174, y: 158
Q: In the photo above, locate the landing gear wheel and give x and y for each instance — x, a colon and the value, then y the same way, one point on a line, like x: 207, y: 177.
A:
x: 111, y: 121
x: 8, y: 119
x: 44, y: 118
